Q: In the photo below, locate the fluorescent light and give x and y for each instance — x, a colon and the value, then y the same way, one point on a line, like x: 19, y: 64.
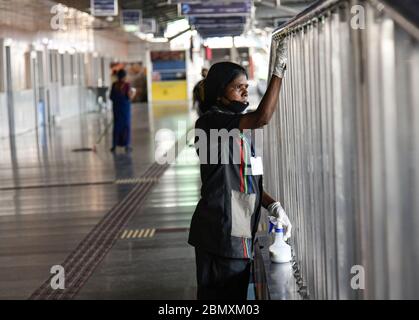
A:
x: 173, y: 27
x: 8, y: 42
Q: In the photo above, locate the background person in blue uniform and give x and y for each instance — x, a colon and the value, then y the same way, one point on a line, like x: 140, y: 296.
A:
x: 226, y: 218
x: 121, y: 95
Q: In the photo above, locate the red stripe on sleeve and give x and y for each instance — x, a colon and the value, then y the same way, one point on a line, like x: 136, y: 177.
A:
x: 241, y: 167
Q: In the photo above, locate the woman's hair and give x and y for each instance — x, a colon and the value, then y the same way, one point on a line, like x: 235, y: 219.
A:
x: 119, y: 85
x: 121, y: 74
x: 219, y: 76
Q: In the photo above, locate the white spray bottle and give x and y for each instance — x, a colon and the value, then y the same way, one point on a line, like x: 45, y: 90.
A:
x: 279, y: 251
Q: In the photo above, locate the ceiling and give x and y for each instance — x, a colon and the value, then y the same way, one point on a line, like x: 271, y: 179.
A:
x: 25, y: 15
x: 267, y: 13
x: 161, y: 10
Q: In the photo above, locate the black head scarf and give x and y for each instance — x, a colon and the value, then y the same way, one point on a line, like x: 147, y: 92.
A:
x: 219, y: 76
x: 121, y: 74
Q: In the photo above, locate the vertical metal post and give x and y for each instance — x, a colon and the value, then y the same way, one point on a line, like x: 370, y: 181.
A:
x: 9, y: 90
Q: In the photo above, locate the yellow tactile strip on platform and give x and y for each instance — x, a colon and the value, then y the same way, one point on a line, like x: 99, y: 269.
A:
x: 148, y: 232
x: 138, y: 233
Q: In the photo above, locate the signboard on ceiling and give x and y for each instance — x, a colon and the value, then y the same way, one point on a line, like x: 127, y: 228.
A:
x: 201, y: 22
x: 149, y: 26
x: 101, y: 8
x: 132, y: 20
x: 209, y: 33
x: 229, y: 9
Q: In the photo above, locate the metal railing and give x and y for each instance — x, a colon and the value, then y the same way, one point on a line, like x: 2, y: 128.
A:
x: 342, y: 150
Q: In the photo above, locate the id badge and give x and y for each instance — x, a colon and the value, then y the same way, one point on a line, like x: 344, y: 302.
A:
x: 257, y: 166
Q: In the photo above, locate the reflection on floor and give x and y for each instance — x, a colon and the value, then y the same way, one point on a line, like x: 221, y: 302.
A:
x: 152, y: 260
x: 52, y: 197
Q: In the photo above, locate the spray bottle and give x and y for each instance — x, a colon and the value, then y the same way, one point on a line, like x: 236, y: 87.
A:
x: 279, y: 251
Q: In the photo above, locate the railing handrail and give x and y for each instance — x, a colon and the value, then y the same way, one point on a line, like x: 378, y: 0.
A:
x: 400, y: 11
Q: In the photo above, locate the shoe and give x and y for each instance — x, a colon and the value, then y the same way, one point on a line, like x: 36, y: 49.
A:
x: 128, y: 149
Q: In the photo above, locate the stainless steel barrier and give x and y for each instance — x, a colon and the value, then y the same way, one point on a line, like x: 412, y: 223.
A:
x: 342, y: 150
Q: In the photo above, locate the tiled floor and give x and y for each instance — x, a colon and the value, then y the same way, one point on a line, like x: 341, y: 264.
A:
x: 161, y: 266
x: 41, y: 225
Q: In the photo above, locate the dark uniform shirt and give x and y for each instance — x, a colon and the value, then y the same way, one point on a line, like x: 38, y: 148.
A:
x: 226, y: 218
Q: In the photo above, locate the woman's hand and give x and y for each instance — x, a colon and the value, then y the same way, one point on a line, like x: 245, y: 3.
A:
x: 281, y: 58
x: 131, y: 93
x: 275, y: 209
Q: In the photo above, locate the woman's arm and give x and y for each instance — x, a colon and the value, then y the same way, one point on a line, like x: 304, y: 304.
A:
x: 266, y: 108
x: 130, y: 91
x: 112, y: 93
x: 267, y: 200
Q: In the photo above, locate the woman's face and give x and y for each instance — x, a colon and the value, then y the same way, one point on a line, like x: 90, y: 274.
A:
x: 237, y: 90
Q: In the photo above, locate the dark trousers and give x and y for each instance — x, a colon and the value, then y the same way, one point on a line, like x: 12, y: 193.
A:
x: 221, y: 278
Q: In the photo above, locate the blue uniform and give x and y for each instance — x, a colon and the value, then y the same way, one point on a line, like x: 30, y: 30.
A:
x: 121, y: 113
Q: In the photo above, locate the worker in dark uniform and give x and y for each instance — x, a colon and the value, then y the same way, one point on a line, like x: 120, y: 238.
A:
x: 227, y: 216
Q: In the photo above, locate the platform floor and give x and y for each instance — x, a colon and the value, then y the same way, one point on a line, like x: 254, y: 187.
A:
x: 151, y: 259
x: 51, y: 197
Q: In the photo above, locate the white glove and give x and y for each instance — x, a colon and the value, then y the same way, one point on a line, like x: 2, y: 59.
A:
x: 275, y: 209
x: 281, y: 58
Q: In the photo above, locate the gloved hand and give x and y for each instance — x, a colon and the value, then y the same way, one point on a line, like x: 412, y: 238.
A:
x: 275, y: 209
x: 281, y: 58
